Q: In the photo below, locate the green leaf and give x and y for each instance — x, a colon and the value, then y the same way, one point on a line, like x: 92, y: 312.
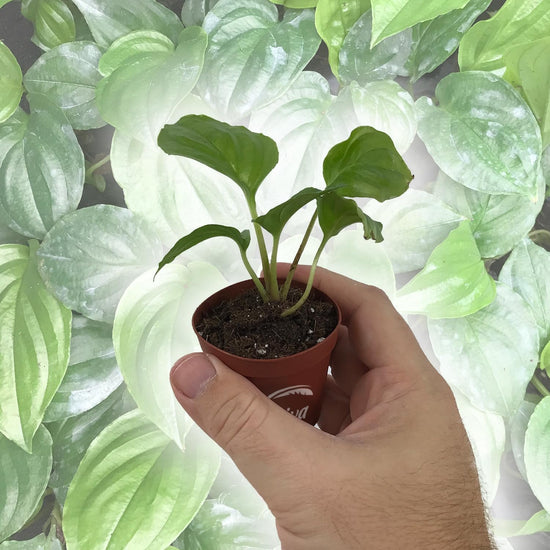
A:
x: 539, y: 522
x: 72, y: 437
x: 153, y: 329
x: 240, y: 154
x: 518, y: 427
x: 498, y: 222
x: 278, y: 216
x: 545, y: 358
x: 333, y: 22
x: 193, y: 12
x: 90, y: 256
x: 453, y: 283
x: 42, y: 175
x: 435, y: 41
x: 11, y: 87
x: 12, y: 131
x: 4, y: 2
x: 53, y: 22
x: 537, y: 452
x: 296, y: 4
x: 23, y: 479
x: 337, y: 213
x: 392, y: 17
x: 41, y: 542
x: 210, y: 231
x: 34, y: 337
x: 111, y: 19
x: 527, y: 67
x: 483, y: 134
x: 490, y: 355
x: 68, y: 75
x: 92, y: 374
x: 137, y: 43
x: 252, y: 57
x: 145, y: 92
x: 361, y: 63
x: 136, y: 489
x: 526, y: 271
x: 367, y: 164
x: 517, y: 22
x: 414, y: 224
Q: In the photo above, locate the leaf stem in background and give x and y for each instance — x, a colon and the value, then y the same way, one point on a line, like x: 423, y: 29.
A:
x: 305, y: 295
x: 273, y: 267
x: 540, y: 387
x: 97, y: 166
x: 294, y: 265
x: 254, y: 277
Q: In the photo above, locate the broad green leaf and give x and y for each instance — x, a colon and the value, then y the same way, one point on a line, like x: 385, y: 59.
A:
x: 453, y: 283
x: 539, y: 522
x: 7, y: 236
x: 11, y: 78
x: 35, y: 331
x: 92, y: 374
x: 244, y: 156
x: 366, y: 164
x: 153, y: 329
x: 527, y: 67
x: 490, y: 355
x: 89, y: 258
x: 517, y: 22
x: 435, y: 41
x: 333, y: 22
x: 210, y: 231
x: 498, y: 222
x: 537, y: 452
x: 483, y: 134
x: 137, y: 43
x: 252, y: 57
x: 53, y: 22
x: 337, y: 213
x: 193, y: 12
x: 141, y: 96
x: 23, y: 479
x: 361, y: 63
x: 42, y: 175
x: 414, y: 224
x: 526, y: 271
x: 72, y: 437
x: 12, y: 131
x: 41, y: 542
x: 135, y: 488
x: 393, y: 16
x: 296, y: 4
x: 545, y: 358
x: 518, y: 427
x: 68, y: 75
x: 111, y: 19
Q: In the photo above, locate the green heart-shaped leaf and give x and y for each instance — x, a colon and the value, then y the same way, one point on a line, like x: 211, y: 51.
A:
x: 11, y: 79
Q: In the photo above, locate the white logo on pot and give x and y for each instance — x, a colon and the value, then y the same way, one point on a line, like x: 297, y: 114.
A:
x: 293, y: 390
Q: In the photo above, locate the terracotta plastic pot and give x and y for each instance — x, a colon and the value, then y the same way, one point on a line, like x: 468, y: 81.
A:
x: 295, y: 382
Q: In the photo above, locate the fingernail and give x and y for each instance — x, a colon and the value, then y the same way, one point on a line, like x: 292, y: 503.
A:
x: 191, y: 374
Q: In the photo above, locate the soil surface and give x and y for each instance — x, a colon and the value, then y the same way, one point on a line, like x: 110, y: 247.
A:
x: 248, y: 327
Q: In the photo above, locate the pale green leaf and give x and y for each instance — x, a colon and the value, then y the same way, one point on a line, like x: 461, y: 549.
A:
x: 4, y: 2
x: 92, y: 374
x: 296, y: 4
x: 111, y: 19
x: 153, y: 329
x: 41, y: 542
x: 539, y: 522
x: 53, y: 22
x: 89, y: 258
x: 453, y: 283
x: 193, y: 12
x: 545, y: 358
x: 252, y: 57
x: 414, y: 224
x: 23, y: 479
x: 35, y: 332
x: 483, y: 134
x: 490, y: 355
x: 136, y: 489
x: 68, y: 75
x: 393, y: 16
x: 11, y: 88
x: 498, y: 222
x: 141, y: 96
x: 518, y: 427
x: 333, y: 21
x: 12, y: 131
x: 537, y: 452
x: 517, y: 22
x: 42, y: 175
x: 526, y: 271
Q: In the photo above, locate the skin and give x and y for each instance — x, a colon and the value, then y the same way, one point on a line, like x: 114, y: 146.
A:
x: 390, y: 468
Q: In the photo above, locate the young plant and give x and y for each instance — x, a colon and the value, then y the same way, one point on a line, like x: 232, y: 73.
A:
x: 365, y: 165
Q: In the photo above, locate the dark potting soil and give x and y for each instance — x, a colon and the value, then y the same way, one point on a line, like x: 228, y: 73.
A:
x: 248, y: 327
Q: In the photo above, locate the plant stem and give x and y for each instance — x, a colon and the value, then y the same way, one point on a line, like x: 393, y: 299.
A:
x: 294, y: 265
x: 305, y: 295
x: 541, y: 388
x: 273, y: 267
x: 254, y: 277
x: 97, y: 165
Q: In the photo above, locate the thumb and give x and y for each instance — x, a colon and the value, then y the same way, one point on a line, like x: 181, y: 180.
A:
x: 266, y: 443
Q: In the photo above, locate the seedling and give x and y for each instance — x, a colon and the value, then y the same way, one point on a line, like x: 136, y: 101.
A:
x: 365, y: 165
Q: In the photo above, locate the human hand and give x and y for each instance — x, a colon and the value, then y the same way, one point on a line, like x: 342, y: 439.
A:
x: 393, y: 467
